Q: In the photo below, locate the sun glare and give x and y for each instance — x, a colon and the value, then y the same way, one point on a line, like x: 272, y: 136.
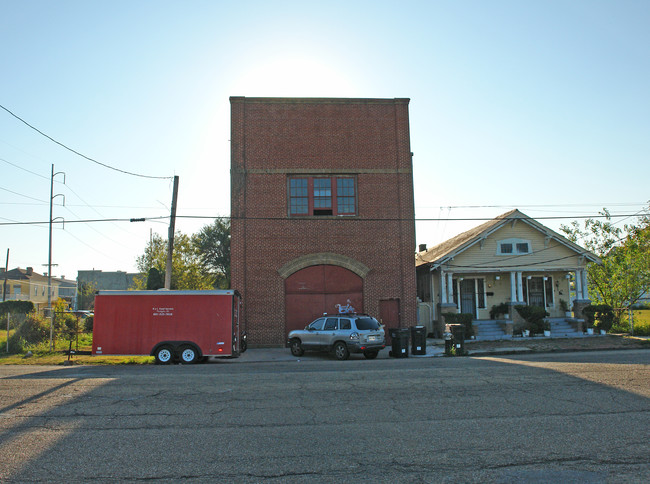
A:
x: 294, y: 77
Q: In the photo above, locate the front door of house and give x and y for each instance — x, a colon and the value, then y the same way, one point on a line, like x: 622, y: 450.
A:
x: 536, y: 292
x: 468, y: 296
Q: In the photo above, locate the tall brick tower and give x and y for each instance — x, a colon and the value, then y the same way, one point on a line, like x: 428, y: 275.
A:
x: 322, y: 211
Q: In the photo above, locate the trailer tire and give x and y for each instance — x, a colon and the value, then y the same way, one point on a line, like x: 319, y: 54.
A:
x: 188, y: 354
x: 164, y: 355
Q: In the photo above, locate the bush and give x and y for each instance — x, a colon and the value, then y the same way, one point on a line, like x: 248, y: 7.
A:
x: 88, y: 324
x: 33, y: 330
x: 599, y: 316
x: 462, y: 318
x: 535, y: 318
x: 498, y: 310
x: 16, y: 307
x: 66, y: 325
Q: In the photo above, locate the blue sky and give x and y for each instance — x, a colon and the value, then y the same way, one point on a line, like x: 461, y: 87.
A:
x: 537, y: 105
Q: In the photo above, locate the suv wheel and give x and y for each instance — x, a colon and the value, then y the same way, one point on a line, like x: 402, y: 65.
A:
x: 371, y: 355
x: 296, y: 348
x: 341, y: 351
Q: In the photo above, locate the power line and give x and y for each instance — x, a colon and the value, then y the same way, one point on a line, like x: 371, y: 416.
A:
x: 25, y: 169
x: 81, y: 154
x: 299, y: 219
x: 21, y: 195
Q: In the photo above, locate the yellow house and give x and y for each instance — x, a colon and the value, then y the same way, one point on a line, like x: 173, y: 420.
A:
x: 512, y: 259
x: 27, y: 285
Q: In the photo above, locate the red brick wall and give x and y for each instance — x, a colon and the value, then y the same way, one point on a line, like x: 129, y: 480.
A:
x: 274, y: 138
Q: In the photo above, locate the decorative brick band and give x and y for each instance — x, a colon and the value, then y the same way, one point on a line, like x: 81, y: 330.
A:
x: 324, y: 258
x: 321, y: 171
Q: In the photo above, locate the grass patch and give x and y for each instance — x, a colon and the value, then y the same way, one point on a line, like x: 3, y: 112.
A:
x: 41, y: 354
x: 642, y: 322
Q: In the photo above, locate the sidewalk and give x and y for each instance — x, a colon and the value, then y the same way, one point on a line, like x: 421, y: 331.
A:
x: 436, y: 348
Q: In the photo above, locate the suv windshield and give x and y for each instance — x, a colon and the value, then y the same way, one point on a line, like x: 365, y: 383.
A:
x: 366, y: 324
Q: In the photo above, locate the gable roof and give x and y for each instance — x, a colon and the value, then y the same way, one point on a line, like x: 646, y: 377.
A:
x: 449, y: 248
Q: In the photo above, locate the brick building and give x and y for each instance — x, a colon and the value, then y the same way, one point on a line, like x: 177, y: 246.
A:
x: 322, y: 211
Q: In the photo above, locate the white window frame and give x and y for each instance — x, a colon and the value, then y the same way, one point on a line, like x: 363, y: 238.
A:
x: 515, y: 250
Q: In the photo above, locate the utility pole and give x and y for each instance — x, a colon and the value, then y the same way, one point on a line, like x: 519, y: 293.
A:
x: 4, y: 287
x: 4, y: 295
x: 170, y: 236
x: 49, y: 256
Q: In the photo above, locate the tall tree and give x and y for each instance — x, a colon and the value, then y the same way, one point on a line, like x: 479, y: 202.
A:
x: 213, y: 245
x: 187, y: 269
x: 623, y: 277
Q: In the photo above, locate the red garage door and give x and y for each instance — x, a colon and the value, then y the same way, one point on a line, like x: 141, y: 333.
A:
x: 315, y: 290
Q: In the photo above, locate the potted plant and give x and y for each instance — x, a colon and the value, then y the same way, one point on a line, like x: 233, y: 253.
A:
x: 564, y: 306
x: 498, y: 310
x: 546, y: 326
x: 534, y: 317
x: 599, y: 316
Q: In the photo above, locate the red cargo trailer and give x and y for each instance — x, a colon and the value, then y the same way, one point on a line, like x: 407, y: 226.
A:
x: 184, y: 326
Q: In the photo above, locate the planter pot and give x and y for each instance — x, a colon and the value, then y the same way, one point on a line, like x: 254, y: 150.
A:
x: 526, y: 333
x: 547, y: 333
x: 590, y: 330
x: 602, y: 331
x: 568, y: 314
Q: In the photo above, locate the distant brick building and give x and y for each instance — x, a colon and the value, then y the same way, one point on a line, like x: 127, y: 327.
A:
x: 322, y: 211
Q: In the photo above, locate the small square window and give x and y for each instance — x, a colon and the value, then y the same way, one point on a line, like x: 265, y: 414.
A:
x: 506, y: 248
x: 522, y: 248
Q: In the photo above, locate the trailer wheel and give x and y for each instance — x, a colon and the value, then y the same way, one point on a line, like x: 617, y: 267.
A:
x: 188, y: 354
x: 164, y: 355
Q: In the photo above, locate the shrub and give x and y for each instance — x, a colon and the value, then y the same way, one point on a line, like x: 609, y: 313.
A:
x: 534, y: 317
x: 33, y: 330
x: 498, y: 310
x: 66, y: 324
x: 16, y: 307
x: 599, y: 316
x: 462, y: 318
x: 88, y: 324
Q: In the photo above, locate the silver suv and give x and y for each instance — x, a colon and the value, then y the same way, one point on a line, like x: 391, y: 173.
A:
x: 342, y: 333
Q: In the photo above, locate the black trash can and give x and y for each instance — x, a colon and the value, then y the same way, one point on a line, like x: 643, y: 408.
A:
x: 458, y: 331
x: 418, y: 340
x: 400, y: 342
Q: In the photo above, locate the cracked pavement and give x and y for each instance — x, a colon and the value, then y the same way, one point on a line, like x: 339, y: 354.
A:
x: 560, y: 417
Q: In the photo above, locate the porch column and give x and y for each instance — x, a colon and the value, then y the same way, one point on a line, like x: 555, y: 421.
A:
x: 450, y: 287
x: 520, y: 288
x: 585, y: 291
x: 513, y: 286
x: 579, y: 294
x: 443, y: 287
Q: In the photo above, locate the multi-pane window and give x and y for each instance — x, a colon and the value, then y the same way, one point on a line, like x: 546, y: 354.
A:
x: 322, y: 196
x: 298, y: 196
x: 506, y: 248
x: 513, y: 246
x: 345, y: 196
x: 522, y: 248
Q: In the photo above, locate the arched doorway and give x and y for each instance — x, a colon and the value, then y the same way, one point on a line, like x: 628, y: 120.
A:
x: 315, y: 290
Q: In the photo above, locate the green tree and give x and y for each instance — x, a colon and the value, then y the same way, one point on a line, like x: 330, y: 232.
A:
x: 188, y: 271
x: 213, y: 245
x: 155, y: 279
x: 623, y: 276
x: 86, y: 295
